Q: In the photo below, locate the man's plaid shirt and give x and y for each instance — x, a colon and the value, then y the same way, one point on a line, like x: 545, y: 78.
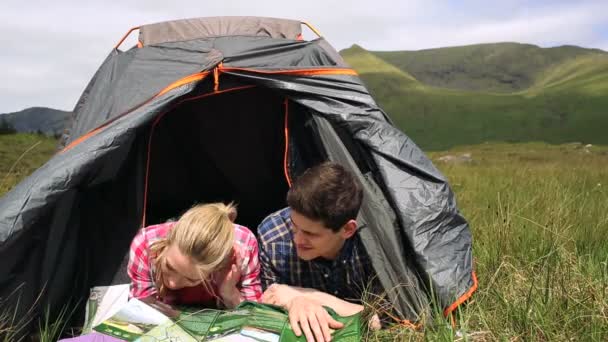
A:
x: 346, y: 277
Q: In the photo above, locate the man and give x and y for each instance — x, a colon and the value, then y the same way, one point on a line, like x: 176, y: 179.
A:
x: 311, y: 255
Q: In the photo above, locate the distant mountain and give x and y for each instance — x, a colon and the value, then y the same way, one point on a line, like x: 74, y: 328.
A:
x: 37, y: 120
x: 490, y: 92
x: 498, y: 67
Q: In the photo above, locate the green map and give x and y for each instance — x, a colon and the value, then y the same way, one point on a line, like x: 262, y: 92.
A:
x: 248, y: 322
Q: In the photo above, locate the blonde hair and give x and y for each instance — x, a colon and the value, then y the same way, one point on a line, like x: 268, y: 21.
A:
x: 204, y: 233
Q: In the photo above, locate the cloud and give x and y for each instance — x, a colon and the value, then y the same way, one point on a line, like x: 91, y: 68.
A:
x: 50, y: 50
x: 546, y: 26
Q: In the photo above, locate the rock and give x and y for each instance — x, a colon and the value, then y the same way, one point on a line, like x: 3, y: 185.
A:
x: 575, y: 145
x: 463, y: 158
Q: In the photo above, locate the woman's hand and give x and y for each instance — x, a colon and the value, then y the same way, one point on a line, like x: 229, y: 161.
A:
x: 229, y: 293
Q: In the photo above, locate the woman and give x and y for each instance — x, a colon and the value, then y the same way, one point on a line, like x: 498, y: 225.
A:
x: 203, y: 258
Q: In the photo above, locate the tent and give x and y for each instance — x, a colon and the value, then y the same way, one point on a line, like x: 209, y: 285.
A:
x: 221, y: 109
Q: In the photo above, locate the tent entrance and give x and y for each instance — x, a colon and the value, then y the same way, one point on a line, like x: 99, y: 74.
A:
x: 226, y: 147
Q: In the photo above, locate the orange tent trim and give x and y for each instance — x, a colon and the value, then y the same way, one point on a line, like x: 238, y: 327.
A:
x: 462, y: 298
x: 178, y: 83
x: 285, y: 156
x: 297, y: 72
x: 201, y: 75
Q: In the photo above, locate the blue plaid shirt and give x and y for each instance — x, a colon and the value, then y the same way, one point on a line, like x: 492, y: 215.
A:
x: 346, y: 277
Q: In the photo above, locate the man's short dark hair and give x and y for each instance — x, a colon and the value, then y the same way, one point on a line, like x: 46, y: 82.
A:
x: 328, y: 193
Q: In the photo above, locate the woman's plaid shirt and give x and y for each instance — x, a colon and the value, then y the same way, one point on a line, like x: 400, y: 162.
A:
x: 348, y: 277
x: 141, y: 270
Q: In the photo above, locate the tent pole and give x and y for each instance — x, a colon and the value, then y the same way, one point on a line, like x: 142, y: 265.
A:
x: 125, y: 36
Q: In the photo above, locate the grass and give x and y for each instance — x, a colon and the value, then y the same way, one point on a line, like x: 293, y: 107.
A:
x: 539, y: 217
x: 21, y: 154
x: 52, y: 328
x: 11, y: 326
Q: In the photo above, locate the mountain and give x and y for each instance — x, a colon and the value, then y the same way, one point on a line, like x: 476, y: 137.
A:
x: 499, y: 67
x: 37, y: 119
x: 490, y: 92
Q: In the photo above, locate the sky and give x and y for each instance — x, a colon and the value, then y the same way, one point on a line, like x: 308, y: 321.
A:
x: 51, y: 49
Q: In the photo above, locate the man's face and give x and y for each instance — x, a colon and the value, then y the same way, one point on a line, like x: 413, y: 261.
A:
x: 312, y: 239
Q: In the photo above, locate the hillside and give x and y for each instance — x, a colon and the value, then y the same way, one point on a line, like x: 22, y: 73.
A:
x: 499, y: 67
x: 564, y: 102
x: 37, y: 119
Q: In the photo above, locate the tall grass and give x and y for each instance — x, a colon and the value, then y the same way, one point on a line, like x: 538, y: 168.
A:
x: 51, y: 328
x: 20, y: 155
x: 14, y: 322
x: 539, y: 217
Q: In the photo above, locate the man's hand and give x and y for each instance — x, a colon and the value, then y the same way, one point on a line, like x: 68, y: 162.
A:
x: 374, y: 323
x: 308, y: 316
x: 280, y: 295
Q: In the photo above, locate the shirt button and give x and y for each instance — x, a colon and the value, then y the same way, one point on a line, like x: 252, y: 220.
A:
x: 326, y: 275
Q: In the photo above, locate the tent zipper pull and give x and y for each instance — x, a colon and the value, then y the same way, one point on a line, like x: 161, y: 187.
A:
x: 216, y: 77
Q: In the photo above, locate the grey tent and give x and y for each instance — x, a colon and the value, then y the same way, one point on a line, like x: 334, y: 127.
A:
x: 221, y: 109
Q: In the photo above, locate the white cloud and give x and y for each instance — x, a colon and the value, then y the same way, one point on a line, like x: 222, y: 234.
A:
x: 543, y: 26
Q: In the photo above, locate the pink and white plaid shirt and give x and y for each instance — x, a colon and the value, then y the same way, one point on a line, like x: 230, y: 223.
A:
x: 141, y: 271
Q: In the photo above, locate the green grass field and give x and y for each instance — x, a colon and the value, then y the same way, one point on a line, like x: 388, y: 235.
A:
x: 539, y: 217
x: 21, y: 154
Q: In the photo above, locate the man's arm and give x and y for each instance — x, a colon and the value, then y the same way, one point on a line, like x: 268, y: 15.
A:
x: 282, y: 295
x: 306, y: 310
x: 307, y: 313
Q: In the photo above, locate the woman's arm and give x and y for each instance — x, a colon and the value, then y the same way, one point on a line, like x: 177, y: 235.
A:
x: 138, y: 269
x: 242, y: 280
x: 250, y: 283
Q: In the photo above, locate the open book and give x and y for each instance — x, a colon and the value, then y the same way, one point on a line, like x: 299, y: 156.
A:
x: 137, y: 321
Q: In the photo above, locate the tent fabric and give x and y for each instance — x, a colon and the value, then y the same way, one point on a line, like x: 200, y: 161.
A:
x: 384, y: 246
x: 148, y: 140
x: 197, y: 28
x: 129, y: 79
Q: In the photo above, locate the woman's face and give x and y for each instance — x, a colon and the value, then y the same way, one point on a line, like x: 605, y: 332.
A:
x: 179, y: 270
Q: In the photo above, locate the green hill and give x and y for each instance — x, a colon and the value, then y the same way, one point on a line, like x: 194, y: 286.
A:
x: 558, y: 96
x: 500, y: 67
